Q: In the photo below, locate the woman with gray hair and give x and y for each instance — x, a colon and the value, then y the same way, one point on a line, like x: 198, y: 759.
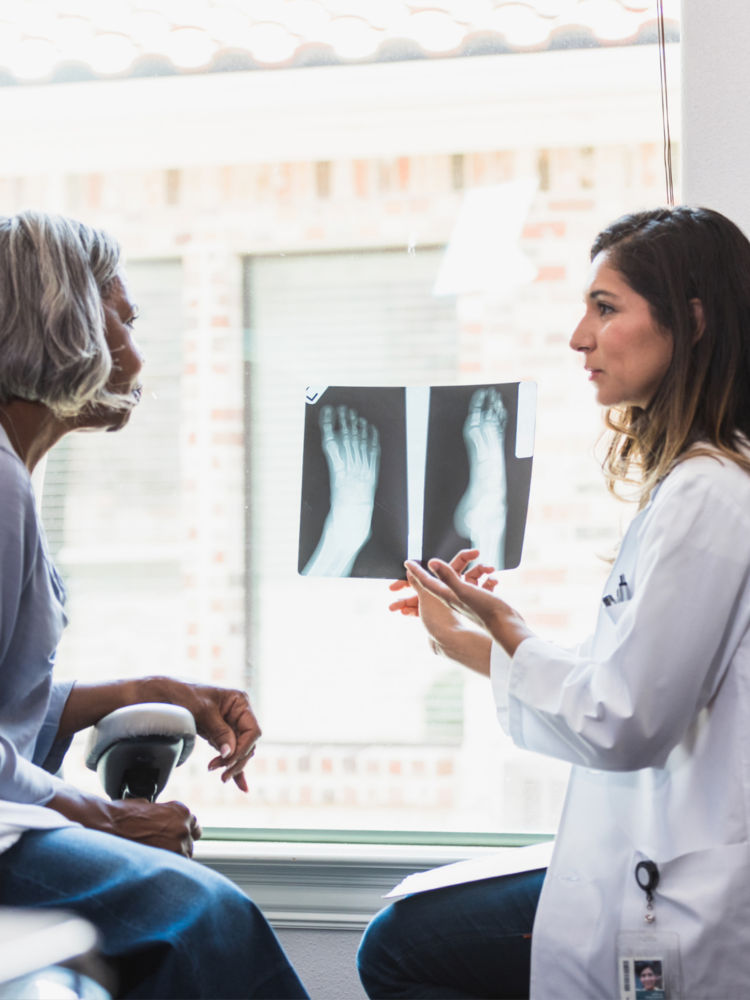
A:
x: 170, y: 928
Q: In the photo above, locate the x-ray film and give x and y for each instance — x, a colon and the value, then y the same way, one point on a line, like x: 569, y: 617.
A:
x: 415, y: 472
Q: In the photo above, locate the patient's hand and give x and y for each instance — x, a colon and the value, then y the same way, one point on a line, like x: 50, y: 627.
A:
x: 223, y: 717
x: 351, y: 447
x: 169, y: 825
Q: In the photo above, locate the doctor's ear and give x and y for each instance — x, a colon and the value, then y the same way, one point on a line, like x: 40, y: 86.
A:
x: 699, y: 319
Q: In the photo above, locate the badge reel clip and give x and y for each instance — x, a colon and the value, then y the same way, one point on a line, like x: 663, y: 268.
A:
x: 647, y: 877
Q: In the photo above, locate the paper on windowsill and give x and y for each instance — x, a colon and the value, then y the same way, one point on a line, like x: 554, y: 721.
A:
x: 504, y: 861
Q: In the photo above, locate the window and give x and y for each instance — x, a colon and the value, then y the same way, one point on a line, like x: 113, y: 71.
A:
x: 286, y: 227
x: 113, y: 512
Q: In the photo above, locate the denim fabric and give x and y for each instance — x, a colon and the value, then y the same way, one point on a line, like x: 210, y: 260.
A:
x: 471, y: 940
x: 170, y: 927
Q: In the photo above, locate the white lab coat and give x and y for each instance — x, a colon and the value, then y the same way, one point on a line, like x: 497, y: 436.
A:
x: 654, y: 713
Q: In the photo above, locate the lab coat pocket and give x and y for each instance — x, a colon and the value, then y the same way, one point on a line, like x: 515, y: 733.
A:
x: 615, y: 611
x: 704, y: 897
x: 559, y: 949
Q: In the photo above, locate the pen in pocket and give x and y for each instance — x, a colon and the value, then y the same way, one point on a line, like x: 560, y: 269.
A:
x: 623, y: 593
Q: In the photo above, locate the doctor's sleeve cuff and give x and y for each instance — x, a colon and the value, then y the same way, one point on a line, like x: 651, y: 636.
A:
x: 500, y: 670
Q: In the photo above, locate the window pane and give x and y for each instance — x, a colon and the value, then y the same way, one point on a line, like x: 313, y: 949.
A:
x: 112, y: 507
x: 294, y: 226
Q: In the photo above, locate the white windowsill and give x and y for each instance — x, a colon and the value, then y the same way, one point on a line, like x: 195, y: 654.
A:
x: 322, y: 886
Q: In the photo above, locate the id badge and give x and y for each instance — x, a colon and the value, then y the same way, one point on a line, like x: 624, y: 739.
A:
x: 648, y: 965
x: 648, y: 960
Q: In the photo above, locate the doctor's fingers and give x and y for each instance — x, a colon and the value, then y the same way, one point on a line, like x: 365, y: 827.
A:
x: 478, y: 573
x: 425, y: 583
x: 407, y: 606
x: 461, y: 563
x: 477, y: 603
x: 463, y: 559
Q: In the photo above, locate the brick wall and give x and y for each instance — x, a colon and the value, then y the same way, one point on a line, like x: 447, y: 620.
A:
x: 208, y: 218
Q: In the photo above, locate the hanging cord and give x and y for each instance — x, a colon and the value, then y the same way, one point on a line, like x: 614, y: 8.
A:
x: 667, y: 139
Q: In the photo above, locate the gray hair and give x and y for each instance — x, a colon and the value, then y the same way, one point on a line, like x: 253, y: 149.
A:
x: 54, y: 273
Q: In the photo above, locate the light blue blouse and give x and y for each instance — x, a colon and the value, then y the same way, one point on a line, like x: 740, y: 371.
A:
x: 32, y: 619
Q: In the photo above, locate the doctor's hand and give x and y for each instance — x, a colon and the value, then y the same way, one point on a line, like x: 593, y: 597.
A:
x: 450, y: 635
x: 476, y: 603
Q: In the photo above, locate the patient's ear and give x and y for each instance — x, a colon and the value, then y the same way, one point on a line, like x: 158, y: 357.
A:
x: 699, y: 319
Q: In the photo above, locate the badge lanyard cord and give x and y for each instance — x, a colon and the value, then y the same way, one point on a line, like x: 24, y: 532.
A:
x: 666, y: 135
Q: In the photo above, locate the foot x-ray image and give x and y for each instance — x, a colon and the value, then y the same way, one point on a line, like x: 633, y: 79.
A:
x: 352, y: 520
x: 482, y: 511
x: 417, y: 472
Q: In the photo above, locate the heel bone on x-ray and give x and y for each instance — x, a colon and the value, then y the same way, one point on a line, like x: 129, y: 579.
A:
x: 418, y: 472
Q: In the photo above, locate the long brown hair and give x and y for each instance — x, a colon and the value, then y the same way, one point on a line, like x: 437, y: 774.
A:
x: 692, y: 265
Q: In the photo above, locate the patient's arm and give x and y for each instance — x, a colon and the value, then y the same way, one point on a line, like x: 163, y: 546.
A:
x: 352, y: 451
x: 223, y: 716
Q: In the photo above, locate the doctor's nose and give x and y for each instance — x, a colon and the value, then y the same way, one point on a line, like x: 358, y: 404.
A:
x: 581, y: 339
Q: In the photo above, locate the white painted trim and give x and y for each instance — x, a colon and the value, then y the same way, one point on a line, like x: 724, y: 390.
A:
x: 557, y: 98
x: 322, y: 886
x: 716, y: 91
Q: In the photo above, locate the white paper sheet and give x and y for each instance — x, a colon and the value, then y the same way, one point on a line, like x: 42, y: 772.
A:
x: 504, y: 861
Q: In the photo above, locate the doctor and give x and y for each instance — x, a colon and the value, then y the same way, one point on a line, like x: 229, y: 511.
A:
x: 652, y: 858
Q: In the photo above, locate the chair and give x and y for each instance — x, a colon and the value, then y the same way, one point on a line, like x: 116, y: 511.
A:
x: 32, y: 940
x: 135, y: 749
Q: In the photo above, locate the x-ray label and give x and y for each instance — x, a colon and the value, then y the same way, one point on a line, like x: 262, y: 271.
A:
x: 526, y: 421
x: 313, y: 393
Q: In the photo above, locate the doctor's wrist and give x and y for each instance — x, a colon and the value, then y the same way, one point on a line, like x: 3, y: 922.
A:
x: 508, y: 629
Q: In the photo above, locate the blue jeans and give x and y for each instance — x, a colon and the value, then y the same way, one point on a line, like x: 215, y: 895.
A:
x: 170, y: 927
x: 471, y: 940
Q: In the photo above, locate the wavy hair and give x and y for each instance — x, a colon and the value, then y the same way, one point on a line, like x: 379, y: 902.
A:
x: 54, y: 273
x: 692, y: 265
